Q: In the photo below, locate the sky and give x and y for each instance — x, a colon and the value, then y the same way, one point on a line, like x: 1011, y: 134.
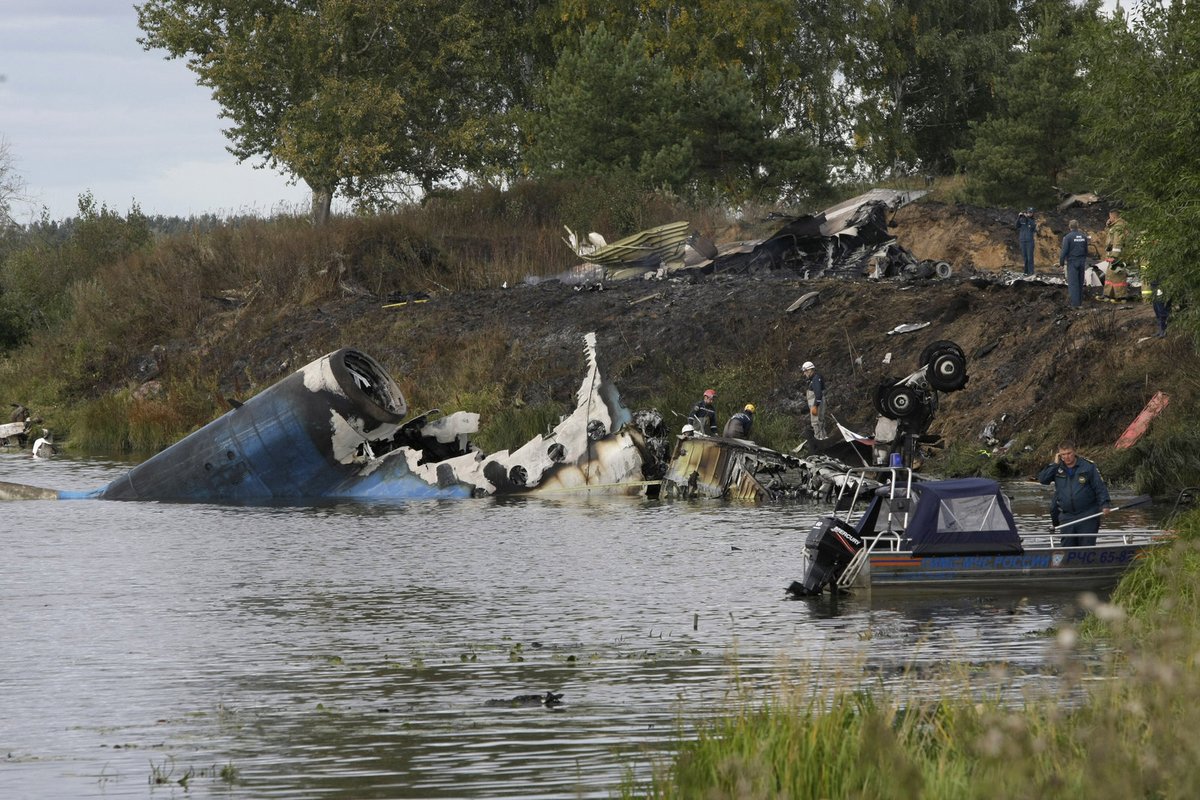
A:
x: 84, y: 108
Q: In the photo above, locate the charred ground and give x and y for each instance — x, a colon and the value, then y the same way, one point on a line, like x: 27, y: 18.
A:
x: 1037, y: 368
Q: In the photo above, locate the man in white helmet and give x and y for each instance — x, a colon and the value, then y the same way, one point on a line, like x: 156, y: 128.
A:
x: 815, y: 395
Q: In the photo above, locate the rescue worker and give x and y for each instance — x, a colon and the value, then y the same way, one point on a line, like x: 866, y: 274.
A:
x: 1116, y: 280
x: 1114, y: 235
x: 1074, y: 257
x: 1026, y: 231
x: 1162, y: 309
x: 739, y: 424
x: 1079, y: 492
x: 704, y: 415
x: 814, y: 393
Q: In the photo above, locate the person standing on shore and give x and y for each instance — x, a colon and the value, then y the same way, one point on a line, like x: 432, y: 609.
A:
x: 814, y: 393
x: 1079, y: 492
x: 1074, y: 257
x: 1026, y: 231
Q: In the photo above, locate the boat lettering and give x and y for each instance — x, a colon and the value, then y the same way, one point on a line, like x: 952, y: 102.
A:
x: 1100, y: 556
x: 1024, y: 561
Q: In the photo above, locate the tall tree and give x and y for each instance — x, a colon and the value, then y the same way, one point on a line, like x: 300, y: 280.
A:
x: 339, y: 93
x: 610, y: 107
x: 1021, y: 151
x: 924, y: 69
x: 1145, y: 88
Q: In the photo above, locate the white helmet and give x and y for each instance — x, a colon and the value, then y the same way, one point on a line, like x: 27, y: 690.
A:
x: 807, y: 365
x: 688, y: 429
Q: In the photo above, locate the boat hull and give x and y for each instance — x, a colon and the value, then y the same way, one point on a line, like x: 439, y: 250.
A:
x: 1097, y: 568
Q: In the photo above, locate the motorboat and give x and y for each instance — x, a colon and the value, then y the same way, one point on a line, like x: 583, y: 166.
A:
x: 952, y: 535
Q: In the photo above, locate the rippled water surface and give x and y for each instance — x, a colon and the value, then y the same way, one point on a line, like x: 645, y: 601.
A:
x: 351, y: 650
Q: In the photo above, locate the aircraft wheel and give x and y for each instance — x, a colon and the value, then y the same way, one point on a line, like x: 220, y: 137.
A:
x: 902, y: 402
x: 947, y: 372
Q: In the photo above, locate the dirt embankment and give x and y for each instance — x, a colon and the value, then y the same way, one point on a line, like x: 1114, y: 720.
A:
x: 1038, y: 368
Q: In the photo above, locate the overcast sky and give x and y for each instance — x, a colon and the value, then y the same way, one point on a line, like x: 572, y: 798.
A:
x: 83, y: 107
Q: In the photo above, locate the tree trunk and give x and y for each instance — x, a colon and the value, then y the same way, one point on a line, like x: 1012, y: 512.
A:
x: 322, y: 201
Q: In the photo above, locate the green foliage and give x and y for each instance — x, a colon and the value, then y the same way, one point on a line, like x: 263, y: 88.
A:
x: 611, y: 109
x: 923, y: 71
x: 36, y: 277
x: 1021, y: 152
x: 1145, y: 84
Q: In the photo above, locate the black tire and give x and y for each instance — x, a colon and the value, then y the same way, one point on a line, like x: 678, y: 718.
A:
x: 902, y: 402
x: 941, y: 346
x: 943, y: 269
x: 947, y: 372
x: 881, y: 396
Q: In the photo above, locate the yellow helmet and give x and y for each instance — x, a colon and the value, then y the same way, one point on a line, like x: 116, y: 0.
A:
x: 749, y: 407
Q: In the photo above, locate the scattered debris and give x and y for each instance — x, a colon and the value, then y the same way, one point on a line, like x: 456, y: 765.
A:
x: 1142, y: 422
x: 805, y: 302
x: 549, y: 700
x: 908, y: 327
x: 851, y: 239
x: 44, y: 447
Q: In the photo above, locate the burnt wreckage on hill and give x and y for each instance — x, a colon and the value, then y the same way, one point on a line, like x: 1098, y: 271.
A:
x: 849, y: 240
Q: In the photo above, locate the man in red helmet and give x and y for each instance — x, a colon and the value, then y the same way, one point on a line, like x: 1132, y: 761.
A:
x: 704, y: 414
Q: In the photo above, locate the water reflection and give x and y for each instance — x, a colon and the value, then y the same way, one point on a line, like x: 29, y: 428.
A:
x: 351, y: 649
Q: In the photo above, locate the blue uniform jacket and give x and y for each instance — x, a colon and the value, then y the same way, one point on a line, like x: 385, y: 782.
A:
x: 816, y: 385
x: 1078, y: 492
x: 1026, y: 227
x: 1074, y: 248
x: 704, y: 418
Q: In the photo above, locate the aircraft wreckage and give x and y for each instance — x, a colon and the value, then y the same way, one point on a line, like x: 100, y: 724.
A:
x: 849, y: 240
x: 337, y: 429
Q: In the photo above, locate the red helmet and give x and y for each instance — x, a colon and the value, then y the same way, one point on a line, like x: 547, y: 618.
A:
x: 710, y: 392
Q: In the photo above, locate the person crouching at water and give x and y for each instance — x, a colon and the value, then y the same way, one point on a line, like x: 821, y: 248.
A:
x: 739, y: 424
x: 1079, y: 492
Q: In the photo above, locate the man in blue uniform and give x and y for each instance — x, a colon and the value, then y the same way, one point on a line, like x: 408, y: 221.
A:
x: 1026, y: 230
x: 704, y: 415
x: 1079, y: 492
x: 1074, y: 257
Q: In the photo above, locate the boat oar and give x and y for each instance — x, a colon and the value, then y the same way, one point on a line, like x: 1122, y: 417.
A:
x: 1137, y: 501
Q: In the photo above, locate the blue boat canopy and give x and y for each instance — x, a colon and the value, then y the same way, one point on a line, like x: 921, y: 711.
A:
x: 967, y: 516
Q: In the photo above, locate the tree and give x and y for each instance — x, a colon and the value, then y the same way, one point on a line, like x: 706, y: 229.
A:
x: 922, y: 70
x: 1145, y: 78
x: 610, y: 107
x: 339, y: 93
x: 12, y: 186
x: 1021, y: 152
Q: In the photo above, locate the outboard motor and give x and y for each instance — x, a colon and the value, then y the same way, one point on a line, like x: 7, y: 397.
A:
x: 830, y: 545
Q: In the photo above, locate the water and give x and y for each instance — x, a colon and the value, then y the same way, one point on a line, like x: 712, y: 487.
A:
x: 350, y: 650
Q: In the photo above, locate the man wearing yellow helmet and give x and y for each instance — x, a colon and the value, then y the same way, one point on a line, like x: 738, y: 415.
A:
x: 740, y: 423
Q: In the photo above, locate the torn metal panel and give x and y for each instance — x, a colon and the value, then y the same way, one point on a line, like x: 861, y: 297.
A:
x: 734, y: 469
x: 648, y: 248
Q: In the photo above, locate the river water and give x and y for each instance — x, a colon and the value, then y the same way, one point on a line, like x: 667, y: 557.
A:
x: 351, y: 650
